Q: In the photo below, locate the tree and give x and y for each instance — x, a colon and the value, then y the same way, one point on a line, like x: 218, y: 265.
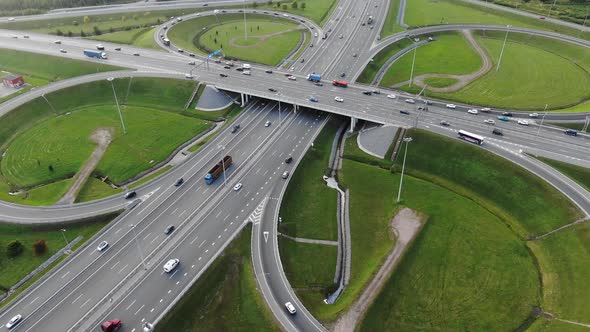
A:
x: 40, y: 247
x: 111, y: 30
x: 59, y: 33
x: 254, y: 4
x: 86, y: 19
x: 14, y: 248
x: 294, y: 5
x: 50, y: 167
x: 215, y: 40
x: 75, y: 23
x: 70, y: 34
x: 303, y: 5
x: 270, y: 2
x: 97, y: 31
x: 285, y: 7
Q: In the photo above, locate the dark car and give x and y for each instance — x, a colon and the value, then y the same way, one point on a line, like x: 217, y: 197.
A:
x: 404, y: 112
x: 240, y: 69
x: 272, y: 89
x: 235, y: 128
x: 445, y: 123
x: 223, y: 75
x: 268, y: 71
x: 422, y: 108
x: 169, y: 229
x: 302, y: 60
x: 319, y: 84
x: 368, y: 93
x: 117, y: 48
x: 507, y: 113
x: 571, y: 132
x: 497, y: 132
x: 343, y: 74
x: 226, y: 67
x: 130, y: 194
x: 288, y: 160
x: 377, y: 92
x: 179, y: 182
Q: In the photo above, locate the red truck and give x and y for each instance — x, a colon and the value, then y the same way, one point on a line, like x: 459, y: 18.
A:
x: 112, y: 325
x: 218, y: 169
x: 340, y: 83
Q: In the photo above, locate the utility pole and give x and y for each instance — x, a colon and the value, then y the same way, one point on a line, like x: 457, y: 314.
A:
x: 413, y: 62
x: 407, y: 140
x: 53, y: 109
x: 63, y: 232
x: 551, y: 8
x: 111, y: 79
x: 503, y: 46
x: 542, y: 120
x: 138, y: 246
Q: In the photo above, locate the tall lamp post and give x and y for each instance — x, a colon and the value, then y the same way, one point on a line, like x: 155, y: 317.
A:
x: 111, y: 79
x: 138, y: 246
x: 542, y: 119
x: 222, y: 148
x: 63, y: 232
x: 399, y: 193
x: 503, y: 46
x: 413, y: 62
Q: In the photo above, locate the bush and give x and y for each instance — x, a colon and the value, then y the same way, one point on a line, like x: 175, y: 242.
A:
x: 40, y: 247
x: 14, y: 248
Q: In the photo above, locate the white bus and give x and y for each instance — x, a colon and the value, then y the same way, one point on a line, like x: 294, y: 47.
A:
x: 470, y: 137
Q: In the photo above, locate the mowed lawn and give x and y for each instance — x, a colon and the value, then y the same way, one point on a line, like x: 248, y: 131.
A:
x: 64, y: 143
x: 577, y: 173
x: 137, y: 37
x: 225, y: 297
x: 435, y: 58
x: 466, y: 271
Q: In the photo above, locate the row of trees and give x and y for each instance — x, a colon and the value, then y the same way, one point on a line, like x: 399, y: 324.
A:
x: 15, y: 248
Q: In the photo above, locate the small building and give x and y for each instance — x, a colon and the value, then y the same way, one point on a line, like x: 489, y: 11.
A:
x: 13, y: 81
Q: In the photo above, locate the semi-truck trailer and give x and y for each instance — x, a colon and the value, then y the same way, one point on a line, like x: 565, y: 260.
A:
x: 340, y: 83
x: 95, y: 54
x: 216, y: 171
x: 112, y: 325
x: 314, y: 77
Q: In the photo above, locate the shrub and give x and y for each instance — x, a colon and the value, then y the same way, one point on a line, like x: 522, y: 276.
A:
x: 40, y: 247
x: 14, y: 248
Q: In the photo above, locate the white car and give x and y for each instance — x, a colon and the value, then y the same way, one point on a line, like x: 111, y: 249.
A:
x: 410, y: 101
x: 237, y: 187
x: 315, y: 34
x: 489, y: 121
x: 391, y: 96
x: 290, y: 308
x: 246, y: 72
x: 57, y: 42
x: 16, y: 319
x: 189, y: 76
x: 102, y: 246
x: 267, y: 123
x: 451, y: 106
x: 472, y: 111
x: 292, y: 78
x: 523, y: 122
x: 192, y: 63
x: 99, y: 47
x: 339, y: 99
x: 534, y: 115
x: 171, y: 265
x: 486, y: 110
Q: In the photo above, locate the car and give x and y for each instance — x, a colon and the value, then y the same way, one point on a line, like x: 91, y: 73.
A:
x: 290, y: 308
x: 430, y: 39
x: 571, y: 132
x: 226, y: 67
x: 15, y: 37
x: 179, y: 182
x: 319, y: 84
x: 165, y: 27
x: 341, y: 36
x: 368, y: 93
x: 485, y: 110
x: 130, y: 194
x: 363, y: 24
x: 507, y: 113
x: 451, y: 106
x: 272, y: 89
x: 292, y: 78
x: 223, y: 75
x: 404, y: 112
x: 268, y: 71
x: 354, y: 55
x: 191, y: 54
x: 267, y: 123
x: 10, y: 19
x: 288, y: 160
x: 503, y: 118
x: 310, y: 45
x: 189, y: 76
x: 302, y: 60
x: 57, y: 42
x: 285, y: 174
x: 246, y: 72
x: 391, y: 96
x: 339, y: 99
x: 237, y: 187
x: 102, y: 246
x: 99, y: 47
x: 315, y: 34
x: 377, y: 92
x: 240, y: 69
x: 541, y: 17
x: 171, y: 265
x: 523, y: 122
x: 489, y: 121
x: 313, y: 99
x: 410, y: 101
x: 179, y: 19
x: 445, y: 123
x: 62, y: 50
x: 169, y: 229
x: 136, y: 54
x: 191, y: 63
x: 472, y: 111
x: 343, y: 75
x: 17, y: 319
x: 427, y: 102
x: 117, y: 48
x: 235, y: 128
x: 180, y: 50
x: 534, y: 115
x: 498, y: 132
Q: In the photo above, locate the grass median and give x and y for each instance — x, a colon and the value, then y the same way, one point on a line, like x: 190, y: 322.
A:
x: 143, y: 37
x: 577, y: 173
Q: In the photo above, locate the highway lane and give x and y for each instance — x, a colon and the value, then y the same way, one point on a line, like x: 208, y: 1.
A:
x: 169, y: 205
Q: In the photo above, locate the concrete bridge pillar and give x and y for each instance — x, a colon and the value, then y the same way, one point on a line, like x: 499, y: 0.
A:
x: 353, y: 122
x: 295, y: 108
x: 243, y: 102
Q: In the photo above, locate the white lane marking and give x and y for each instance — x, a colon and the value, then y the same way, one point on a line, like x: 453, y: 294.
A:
x: 85, y: 303
x: 65, y: 275
x: 145, y: 237
x: 195, y: 239
x: 132, y: 303
x: 218, y: 214
x: 182, y: 214
x: 138, y: 310
x: 115, y: 265
x: 174, y: 212
x: 154, y: 239
x: 75, y: 300
x: 124, y: 267
x: 200, y: 245
x: 226, y: 217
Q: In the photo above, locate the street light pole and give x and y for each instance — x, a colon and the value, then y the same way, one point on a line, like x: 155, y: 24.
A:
x: 551, y: 8
x: 53, y: 109
x: 63, y: 232
x: 542, y: 119
x: 138, y: 246
x: 503, y: 46
x: 401, y: 180
x: 413, y: 62
x: 111, y: 79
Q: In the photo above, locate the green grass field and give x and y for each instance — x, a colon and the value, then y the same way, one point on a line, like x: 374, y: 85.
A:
x: 390, y: 26
x: 225, y: 298
x: 435, y: 57
x: 379, y: 60
x: 14, y: 269
x: 304, y: 272
x: 142, y: 37
x: 431, y: 12
x: 577, y: 173
x: 466, y: 271
x: 316, y: 10
x: 309, y: 207
x: 150, y: 177
x: 573, y: 11
x: 228, y: 34
x: 95, y: 189
x: 440, y: 82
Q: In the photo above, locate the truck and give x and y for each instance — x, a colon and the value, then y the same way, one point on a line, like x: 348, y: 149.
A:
x: 166, y: 41
x: 112, y: 325
x: 216, y: 171
x: 370, y: 19
x: 95, y: 54
x: 314, y: 77
x: 340, y: 83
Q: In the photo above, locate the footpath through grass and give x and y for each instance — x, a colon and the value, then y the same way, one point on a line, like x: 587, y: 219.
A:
x: 225, y: 297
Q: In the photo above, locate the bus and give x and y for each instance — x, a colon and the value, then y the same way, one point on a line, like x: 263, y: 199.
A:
x: 340, y: 83
x: 470, y: 137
